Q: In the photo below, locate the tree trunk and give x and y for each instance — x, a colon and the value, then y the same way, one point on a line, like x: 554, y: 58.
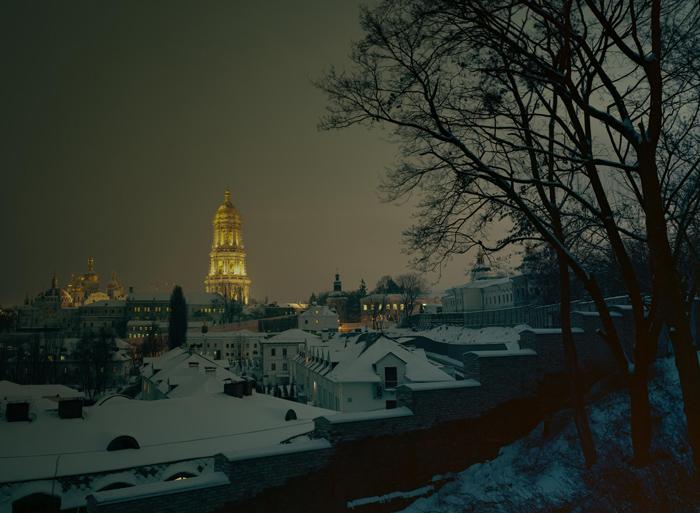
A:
x: 639, y: 400
x: 578, y: 406
x: 671, y: 303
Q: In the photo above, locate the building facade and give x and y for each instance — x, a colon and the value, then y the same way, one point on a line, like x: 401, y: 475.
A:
x: 227, y: 268
x: 278, y: 352
x: 355, y: 373
x: 318, y: 319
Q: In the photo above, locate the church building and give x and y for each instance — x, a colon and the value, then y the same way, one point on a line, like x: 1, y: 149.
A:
x: 227, y: 267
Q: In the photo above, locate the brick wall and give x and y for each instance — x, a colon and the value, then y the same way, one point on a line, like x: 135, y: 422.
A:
x: 504, y: 375
x: 196, y: 494
x: 251, y: 472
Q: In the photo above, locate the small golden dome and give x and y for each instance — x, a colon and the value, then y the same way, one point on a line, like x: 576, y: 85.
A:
x: 227, y: 207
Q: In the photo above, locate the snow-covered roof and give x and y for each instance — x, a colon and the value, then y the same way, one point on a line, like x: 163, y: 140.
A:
x: 465, y: 336
x: 36, y: 394
x: 190, y: 373
x: 293, y: 336
x: 224, y: 335
x: 362, y: 368
x: 167, y: 430
x: 149, y: 296
x: 318, y: 310
x: 202, y: 298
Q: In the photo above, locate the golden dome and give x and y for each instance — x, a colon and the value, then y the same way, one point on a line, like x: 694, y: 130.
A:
x: 227, y: 208
x: 90, y: 275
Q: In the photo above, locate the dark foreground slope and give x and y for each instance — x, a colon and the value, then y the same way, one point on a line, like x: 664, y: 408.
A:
x: 545, y: 471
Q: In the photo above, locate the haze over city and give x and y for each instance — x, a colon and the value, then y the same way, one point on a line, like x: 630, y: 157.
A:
x: 124, y: 123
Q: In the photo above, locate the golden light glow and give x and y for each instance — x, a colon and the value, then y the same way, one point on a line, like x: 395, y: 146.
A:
x: 227, y: 270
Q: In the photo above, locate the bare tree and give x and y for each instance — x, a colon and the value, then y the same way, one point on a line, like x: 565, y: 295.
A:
x: 238, y: 351
x: 231, y: 302
x: 94, y: 355
x: 411, y: 288
x: 377, y: 305
x: 549, y: 114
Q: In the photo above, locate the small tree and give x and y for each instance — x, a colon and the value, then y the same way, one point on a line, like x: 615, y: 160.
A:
x: 238, y: 356
x: 54, y: 347
x: 94, y: 354
x: 177, y: 331
x: 153, y: 344
x: 411, y: 288
x: 377, y: 305
x: 386, y: 285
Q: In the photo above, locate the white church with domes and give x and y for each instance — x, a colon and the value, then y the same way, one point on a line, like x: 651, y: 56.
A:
x: 486, y: 290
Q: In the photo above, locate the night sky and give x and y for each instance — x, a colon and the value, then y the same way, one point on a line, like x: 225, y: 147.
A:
x: 123, y: 123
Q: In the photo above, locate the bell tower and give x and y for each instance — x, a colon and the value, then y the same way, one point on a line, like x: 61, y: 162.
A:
x: 227, y: 267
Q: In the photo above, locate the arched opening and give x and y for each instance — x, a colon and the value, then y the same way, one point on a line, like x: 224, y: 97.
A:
x: 37, y: 503
x: 123, y: 442
x: 180, y: 475
x: 291, y: 415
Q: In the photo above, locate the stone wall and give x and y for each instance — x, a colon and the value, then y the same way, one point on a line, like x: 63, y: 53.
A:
x: 504, y: 375
x: 253, y: 471
x: 193, y: 495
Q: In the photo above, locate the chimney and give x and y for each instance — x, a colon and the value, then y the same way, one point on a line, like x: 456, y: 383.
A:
x: 17, y: 410
x: 70, y: 407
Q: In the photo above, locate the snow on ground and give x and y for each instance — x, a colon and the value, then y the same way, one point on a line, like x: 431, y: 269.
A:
x: 547, y: 473
x: 459, y: 335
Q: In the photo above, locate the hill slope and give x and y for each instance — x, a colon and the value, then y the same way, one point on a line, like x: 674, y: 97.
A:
x: 545, y: 471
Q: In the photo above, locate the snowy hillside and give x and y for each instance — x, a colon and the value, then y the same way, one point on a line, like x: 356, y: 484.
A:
x: 546, y: 472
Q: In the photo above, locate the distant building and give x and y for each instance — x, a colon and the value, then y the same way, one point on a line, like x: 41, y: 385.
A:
x: 227, y: 267
x: 104, y: 314
x: 337, y: 300
x: 318, y: 318
x: 207, y: 306
x: 378, y: 309
x: 145, y: 312
x: 353, y: 373
x: 236, y: 347
x: 183, y: 373
x: 51, y: 310
x: 486, y: 291
x: 278, y: 352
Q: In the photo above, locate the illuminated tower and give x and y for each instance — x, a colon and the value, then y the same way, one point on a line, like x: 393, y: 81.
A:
x: 227, y: 269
